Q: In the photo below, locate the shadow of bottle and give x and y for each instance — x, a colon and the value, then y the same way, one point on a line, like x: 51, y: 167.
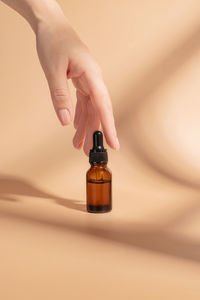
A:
x: 11, y: 186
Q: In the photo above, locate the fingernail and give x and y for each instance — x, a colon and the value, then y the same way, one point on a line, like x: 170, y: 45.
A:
x: 64, y: 116
x: 117, y: 144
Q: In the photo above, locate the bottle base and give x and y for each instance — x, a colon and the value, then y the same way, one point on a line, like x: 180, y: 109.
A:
x: 99, y: 208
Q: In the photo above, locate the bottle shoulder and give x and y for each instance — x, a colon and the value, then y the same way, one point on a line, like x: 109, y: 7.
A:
x: 99, y: 172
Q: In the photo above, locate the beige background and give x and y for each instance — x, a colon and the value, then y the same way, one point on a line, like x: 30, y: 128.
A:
x: 149, y: 246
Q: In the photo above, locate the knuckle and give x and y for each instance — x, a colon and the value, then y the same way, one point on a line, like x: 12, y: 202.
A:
x: 94, y: 69
x: 107, y: 107
x: 59, y: 95
x: 90, y: 109
x: 60, y: 92
x: 97, y: 69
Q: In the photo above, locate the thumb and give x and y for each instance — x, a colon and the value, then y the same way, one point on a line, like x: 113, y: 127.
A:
x: 61, y: 98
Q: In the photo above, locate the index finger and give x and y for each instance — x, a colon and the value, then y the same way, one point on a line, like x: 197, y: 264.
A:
x: 101, y: 100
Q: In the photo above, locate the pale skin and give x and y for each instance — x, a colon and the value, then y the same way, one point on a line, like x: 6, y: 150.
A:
x: 64, y: 56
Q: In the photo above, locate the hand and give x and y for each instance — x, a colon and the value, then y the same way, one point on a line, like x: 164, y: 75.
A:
x: 63, y: 56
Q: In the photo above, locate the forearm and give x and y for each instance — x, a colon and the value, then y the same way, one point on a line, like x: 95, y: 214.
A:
x: 35, y: 11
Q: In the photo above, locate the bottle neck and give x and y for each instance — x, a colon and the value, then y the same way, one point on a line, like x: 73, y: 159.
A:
x: 98, y: 165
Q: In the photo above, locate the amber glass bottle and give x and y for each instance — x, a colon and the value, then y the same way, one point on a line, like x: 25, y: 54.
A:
x: 98, y: 178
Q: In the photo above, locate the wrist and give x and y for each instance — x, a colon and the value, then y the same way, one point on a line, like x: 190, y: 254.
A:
x: 46, y: 11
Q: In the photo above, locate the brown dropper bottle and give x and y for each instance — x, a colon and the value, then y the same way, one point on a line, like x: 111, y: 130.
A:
x: 98, y: 178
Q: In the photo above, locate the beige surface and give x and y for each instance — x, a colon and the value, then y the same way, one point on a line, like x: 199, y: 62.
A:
x: 149, y: 246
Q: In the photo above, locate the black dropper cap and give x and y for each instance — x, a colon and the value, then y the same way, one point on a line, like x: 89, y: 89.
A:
x: 98, y: 154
